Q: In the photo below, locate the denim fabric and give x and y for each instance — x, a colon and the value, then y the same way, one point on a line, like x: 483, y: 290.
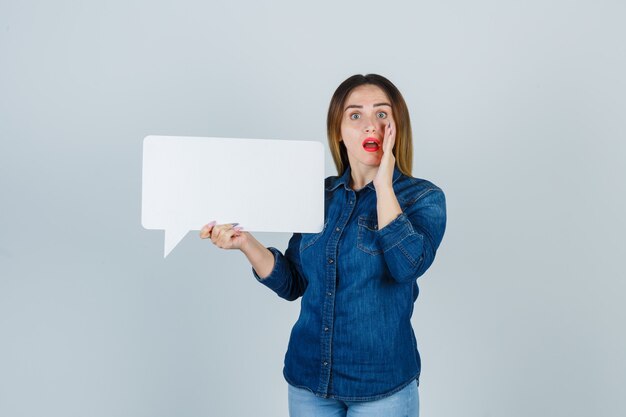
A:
x: 404, y: 403
x: 353, y: 340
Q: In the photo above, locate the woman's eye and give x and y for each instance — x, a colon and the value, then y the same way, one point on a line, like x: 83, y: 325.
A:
x: 355, y: 116
x: 382, y: 114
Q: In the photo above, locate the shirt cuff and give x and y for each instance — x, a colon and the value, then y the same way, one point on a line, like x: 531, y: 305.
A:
x: 395, y: 232
x: 275, y: 277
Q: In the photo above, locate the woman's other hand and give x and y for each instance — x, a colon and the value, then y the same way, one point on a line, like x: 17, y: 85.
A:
x: 225, y: 236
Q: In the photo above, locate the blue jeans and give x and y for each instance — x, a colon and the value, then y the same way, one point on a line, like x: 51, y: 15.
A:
x: 404, y: 403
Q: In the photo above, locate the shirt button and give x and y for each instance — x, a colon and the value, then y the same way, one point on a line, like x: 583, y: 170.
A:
x: 325, y: 363
x: 330, y: 260
x: 329, y: 293
x: 337, y: 229
x: 325, y: 329
x: 350, y: 201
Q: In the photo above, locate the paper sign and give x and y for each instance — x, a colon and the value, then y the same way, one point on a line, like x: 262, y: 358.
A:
x: 264, y: 185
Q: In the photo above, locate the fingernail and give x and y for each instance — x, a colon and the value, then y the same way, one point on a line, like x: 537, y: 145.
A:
x: 238, y: 228
x: 235, y: 224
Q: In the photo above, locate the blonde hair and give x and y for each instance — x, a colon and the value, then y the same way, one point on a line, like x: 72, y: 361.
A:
x: 403, y: 147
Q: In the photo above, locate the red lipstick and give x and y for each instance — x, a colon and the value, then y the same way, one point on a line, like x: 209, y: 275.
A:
x: 371, y: 144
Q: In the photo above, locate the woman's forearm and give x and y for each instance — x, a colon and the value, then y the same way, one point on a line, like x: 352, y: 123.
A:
x: 387, y: 206
x: 261, y: 258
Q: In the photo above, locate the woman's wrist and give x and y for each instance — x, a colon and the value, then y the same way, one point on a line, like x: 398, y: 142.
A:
x: 261, y: 258
x: 248, y: 246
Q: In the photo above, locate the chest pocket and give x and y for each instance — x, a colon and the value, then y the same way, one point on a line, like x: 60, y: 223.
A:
x: 309, y: 239
x: 366, y: 236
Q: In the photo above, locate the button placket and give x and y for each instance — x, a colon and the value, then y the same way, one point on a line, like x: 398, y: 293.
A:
x: 328, y: 309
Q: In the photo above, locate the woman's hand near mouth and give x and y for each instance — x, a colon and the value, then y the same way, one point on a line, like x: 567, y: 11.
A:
x: 384, y: 176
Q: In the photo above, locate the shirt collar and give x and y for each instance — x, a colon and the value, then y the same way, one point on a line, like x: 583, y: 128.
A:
x: 345, y: 180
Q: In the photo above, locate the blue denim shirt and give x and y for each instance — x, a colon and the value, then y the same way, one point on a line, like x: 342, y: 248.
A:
x: 353, y: 340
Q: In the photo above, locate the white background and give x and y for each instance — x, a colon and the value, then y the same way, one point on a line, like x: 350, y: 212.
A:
x: 518, y: 115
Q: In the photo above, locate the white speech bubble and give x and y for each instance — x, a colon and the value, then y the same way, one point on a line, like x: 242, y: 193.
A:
x: 264, y: 185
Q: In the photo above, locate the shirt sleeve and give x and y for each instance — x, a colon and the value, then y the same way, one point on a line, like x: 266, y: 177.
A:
x: 410, y: 241
x: 286, y: 278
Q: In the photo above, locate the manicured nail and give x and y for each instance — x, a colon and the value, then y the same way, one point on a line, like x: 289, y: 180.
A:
x: 238, y: 228
x: 234, y: 224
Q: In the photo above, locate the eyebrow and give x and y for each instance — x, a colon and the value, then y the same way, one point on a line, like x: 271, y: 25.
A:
x: 360, y: 107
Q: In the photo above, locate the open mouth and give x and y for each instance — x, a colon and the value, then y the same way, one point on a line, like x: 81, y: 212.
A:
x: 371, y: 144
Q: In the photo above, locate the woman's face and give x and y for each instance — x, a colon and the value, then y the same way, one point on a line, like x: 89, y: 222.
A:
x: 366, y: 113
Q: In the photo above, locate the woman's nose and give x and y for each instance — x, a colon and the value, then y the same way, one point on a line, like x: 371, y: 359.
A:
x: 372, y: 125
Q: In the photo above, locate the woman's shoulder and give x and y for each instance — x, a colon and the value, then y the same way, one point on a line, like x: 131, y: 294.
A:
x: 410, y: 189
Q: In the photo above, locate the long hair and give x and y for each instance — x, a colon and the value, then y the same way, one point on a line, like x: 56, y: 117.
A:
x: 403, y: 147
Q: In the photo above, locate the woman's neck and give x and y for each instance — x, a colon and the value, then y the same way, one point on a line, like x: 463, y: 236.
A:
x: 360, y: 177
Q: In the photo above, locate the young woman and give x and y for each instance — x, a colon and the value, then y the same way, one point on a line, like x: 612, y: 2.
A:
x: 352, y: 350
